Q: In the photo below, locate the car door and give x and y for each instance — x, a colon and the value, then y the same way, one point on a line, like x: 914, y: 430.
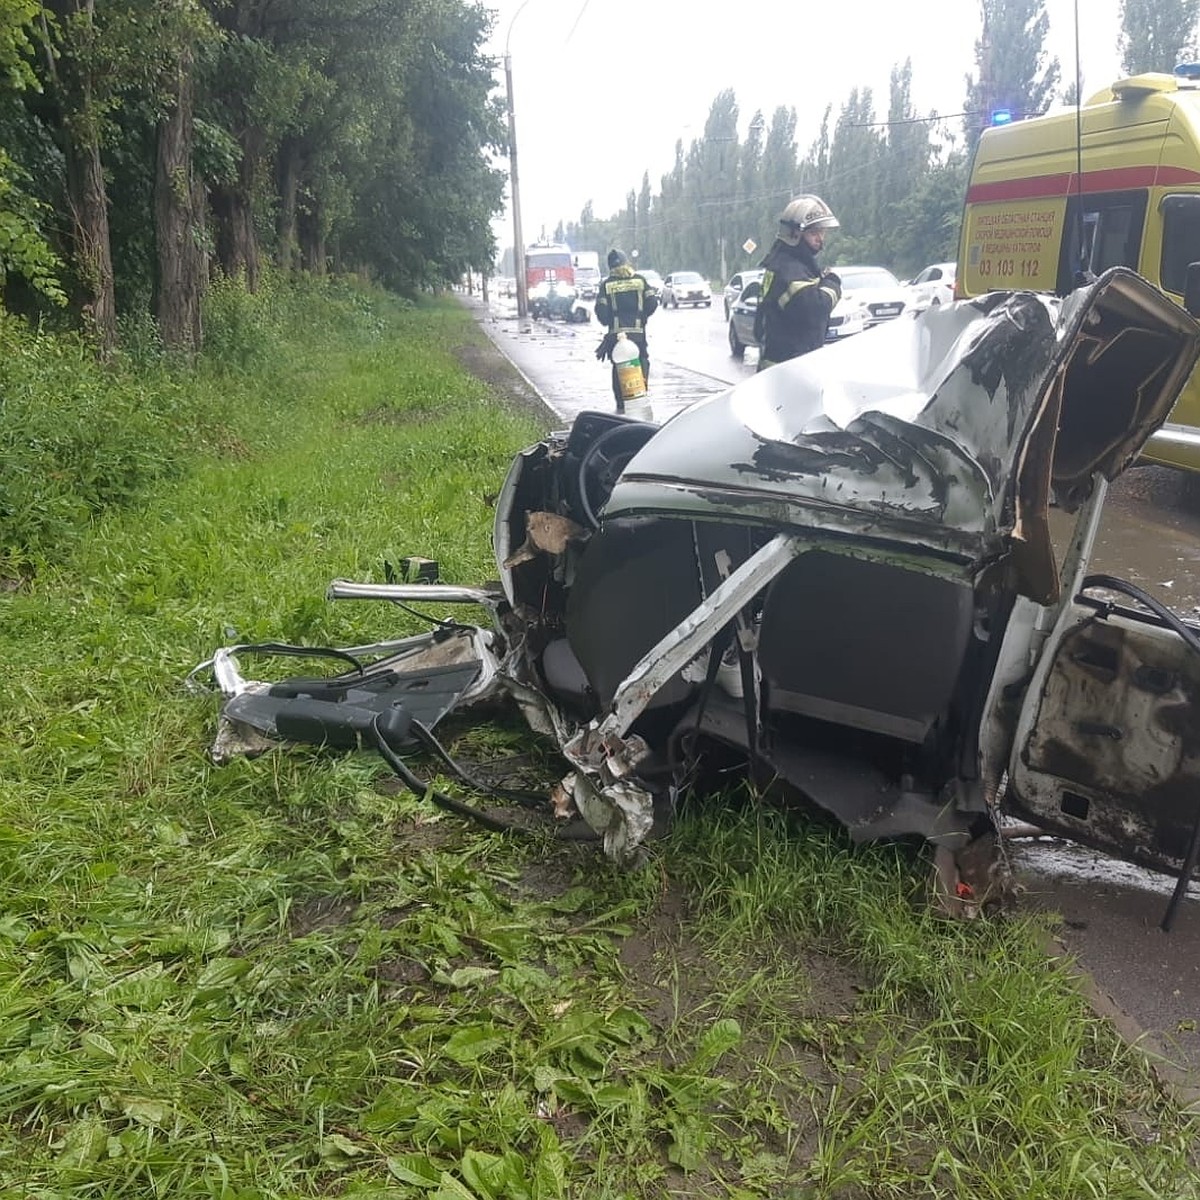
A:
x: 743, y: 312
x: 920, y: 286
x: 732, y: 291
x: 1107, y: 748
x: 1104, y: 681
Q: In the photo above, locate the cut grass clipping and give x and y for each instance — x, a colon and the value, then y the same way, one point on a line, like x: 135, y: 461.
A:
x: 286, y: 978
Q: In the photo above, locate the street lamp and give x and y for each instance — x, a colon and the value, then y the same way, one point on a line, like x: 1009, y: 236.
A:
x: 518, y: 237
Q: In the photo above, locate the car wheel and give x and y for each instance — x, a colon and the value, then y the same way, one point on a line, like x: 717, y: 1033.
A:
x: 708, y: 304
x: 736, y: 347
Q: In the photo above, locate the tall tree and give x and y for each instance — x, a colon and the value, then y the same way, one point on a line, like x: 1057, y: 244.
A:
x: 717, y: 197
x: 1012, y: 70
x: 852, y: 183
x: 24, y: 247
x: 1157, y: 34
x: 906, y: 151
x: 747, y: 222
x: 74, y: 51
x: 179, y: 213
x: 778, y: 172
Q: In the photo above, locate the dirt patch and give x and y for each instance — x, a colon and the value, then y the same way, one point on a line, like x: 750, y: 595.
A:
x: 325, y: 912
x: 478, y: 355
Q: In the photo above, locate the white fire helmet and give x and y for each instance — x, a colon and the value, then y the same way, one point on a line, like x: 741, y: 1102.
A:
x: 805, y: 212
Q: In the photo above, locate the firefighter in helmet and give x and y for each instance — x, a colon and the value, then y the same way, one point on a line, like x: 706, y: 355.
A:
x: 797, y: 295
x: 624, y: 303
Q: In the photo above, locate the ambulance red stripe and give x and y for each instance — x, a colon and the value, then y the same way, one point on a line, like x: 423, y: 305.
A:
x: 1114, y: 179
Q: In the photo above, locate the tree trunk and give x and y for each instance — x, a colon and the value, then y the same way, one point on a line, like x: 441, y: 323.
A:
x: 87, y: 194
x: 235, y: 238
x: 93, y: 247
x: 311, y: 228
x: 289, y: 182
x: 178, y: 221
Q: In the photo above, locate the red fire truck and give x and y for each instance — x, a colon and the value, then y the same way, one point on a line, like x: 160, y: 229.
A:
x: 548, y: 261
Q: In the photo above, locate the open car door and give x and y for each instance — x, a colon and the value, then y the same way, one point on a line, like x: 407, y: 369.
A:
x: 1106, y: 747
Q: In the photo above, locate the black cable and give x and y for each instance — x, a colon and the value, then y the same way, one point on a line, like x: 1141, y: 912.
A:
x: 1168, y: 618
x: 575, y: 832
x: 425, y: 736
x: 443, y: 623
x: 1160, y: 610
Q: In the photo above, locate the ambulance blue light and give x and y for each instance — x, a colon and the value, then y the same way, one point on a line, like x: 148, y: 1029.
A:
x: 1188, y: 70
x: 1001, y: 116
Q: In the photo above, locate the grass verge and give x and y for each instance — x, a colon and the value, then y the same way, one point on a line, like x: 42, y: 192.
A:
x: 283, y: 978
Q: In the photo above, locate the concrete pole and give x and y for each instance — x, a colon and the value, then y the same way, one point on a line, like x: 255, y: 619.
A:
x: 518, y: 236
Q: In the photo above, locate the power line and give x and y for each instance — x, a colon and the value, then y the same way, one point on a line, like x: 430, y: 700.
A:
x: 578, y: 18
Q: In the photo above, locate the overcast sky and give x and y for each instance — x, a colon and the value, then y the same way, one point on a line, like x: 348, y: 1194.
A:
x: 604, y: 89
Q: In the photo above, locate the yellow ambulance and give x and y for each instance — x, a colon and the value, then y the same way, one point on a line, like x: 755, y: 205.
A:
x: 1117, y: 183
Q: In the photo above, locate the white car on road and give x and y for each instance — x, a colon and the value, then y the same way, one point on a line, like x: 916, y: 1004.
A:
x: 932, y: 286
x: 686, y: 287
x: 874, y: 289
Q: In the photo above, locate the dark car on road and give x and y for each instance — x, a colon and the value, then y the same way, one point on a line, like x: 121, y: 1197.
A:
x: 551, y: 301
x: 741, y: 318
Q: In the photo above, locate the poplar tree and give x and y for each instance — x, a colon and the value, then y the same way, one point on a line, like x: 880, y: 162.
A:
x: 1012, y: 70
x: 1157, y: 34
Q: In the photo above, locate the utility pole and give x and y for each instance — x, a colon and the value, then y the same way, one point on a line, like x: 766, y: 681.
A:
x: 518, y: 236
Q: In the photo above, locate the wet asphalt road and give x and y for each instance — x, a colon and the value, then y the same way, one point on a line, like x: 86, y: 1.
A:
x: 1151, y: 536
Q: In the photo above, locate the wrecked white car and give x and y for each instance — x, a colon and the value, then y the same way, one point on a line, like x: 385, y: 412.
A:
x: 842, y: 571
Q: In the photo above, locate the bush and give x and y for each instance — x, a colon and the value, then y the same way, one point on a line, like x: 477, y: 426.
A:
x: 78, y: 437
x: 75, y: 437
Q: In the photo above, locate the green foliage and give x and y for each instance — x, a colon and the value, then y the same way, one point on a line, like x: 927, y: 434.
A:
x: 1013, y: 70
x: 1157, y: 34
x: 24, y: 250
x: 77, y: 439
x: 16, y: 44
x: 896, y: 182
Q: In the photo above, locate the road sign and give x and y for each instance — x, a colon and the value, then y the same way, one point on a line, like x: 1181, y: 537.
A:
x: 749, y: 245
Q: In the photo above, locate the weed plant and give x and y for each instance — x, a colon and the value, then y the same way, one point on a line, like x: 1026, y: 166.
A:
x: 284, y: 978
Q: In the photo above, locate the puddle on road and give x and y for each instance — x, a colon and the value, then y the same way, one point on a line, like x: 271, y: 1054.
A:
x: 1150, y: 536
x: 1056, y: 858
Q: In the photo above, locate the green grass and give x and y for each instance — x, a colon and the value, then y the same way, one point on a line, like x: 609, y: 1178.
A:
x: 283, y: 979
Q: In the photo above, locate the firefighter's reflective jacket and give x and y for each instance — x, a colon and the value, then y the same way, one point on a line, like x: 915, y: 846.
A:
x: 624, y: 302
x: 795, y: 303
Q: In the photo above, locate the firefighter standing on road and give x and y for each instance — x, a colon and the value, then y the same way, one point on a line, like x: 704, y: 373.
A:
x: 624, y: 304
x: 797, y: 295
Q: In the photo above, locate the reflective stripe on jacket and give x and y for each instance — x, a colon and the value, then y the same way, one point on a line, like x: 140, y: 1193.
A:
x: 793, y: 312
x: 623, y: 301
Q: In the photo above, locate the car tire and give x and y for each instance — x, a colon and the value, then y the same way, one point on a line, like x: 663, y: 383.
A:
x: 708, y: 304
x: 736, y: 347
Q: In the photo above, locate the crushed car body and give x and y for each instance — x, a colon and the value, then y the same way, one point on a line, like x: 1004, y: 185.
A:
x: 846, y: 572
